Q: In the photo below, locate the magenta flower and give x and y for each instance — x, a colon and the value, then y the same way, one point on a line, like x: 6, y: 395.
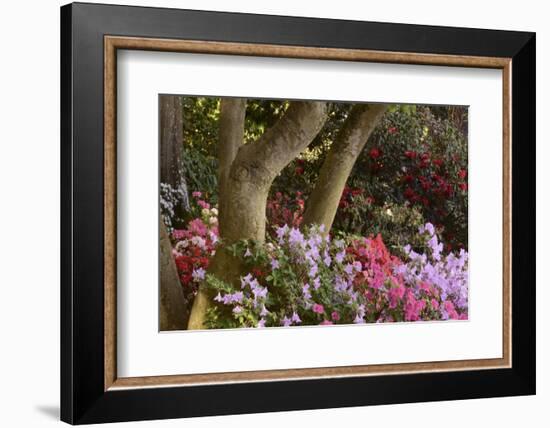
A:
x: 203, y: 204
x: 318, y: 309
x: 197, y: 194
x: 197, y: 227
x: 335, y: 316
x: 325, y: 322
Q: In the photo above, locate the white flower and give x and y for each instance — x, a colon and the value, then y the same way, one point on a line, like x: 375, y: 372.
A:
x: 198, y: 241
x: 181, y: 245
x: 213, y: 220
x: 205, y: 212
x: 214, y: 211
x: 389, y: 213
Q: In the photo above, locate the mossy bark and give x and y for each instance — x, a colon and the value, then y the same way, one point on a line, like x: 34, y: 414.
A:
x: 323, y: 202
x: 245, y: 195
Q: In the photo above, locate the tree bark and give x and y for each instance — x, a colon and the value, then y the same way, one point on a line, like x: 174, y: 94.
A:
x: 173, y: 308
x: 171, y: 140
x: 349, y: 143
x: 231, y: 137
x: 251, y: 174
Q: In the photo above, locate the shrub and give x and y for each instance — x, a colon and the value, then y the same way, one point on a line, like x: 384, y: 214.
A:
x: 419, y: 160
x: 359, y: 214
x: 310, y: 279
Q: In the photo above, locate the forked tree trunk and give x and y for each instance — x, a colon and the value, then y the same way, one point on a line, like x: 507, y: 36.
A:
x: 323, y: 202
x: 245, y: 196
x: 173, y: 308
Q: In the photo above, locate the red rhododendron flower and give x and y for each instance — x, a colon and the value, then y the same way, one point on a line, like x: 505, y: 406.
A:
x: 392, y: 130
x: 375, y: 153
x: 410, y: 154
x: 409, y: 193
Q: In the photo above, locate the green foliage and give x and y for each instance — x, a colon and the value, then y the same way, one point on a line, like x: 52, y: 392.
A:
x: 419, y: 159
x: 397, y: 224
x: 201, y: 173
x: 200, y: 124
x: 262, y: 115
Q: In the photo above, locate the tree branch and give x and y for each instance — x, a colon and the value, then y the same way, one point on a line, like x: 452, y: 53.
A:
x: 280, y: 144
x: 348, y: 145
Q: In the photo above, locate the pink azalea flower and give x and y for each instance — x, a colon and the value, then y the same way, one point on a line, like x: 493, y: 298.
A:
x: 203, y: 204
x: 197, y: 227
x: 318, y: 309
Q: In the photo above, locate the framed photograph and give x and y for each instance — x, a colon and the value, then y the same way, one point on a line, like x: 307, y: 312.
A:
x: 266, y: 213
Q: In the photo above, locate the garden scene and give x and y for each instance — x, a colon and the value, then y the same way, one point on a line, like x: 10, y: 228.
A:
x: 277, y: 213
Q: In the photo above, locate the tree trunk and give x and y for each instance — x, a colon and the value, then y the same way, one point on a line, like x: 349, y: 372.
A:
x: 231, y: 137
x: 173, y: 308
x: 323, y: 202
x: 171, y: 141
x: 251, y: 174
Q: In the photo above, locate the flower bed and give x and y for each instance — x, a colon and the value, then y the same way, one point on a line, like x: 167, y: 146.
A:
x: 312, y: 279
